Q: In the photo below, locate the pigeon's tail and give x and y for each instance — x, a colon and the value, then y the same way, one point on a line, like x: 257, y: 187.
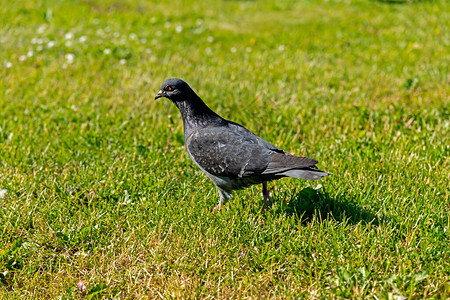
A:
x: 287, y: 165
x: 306, y: 173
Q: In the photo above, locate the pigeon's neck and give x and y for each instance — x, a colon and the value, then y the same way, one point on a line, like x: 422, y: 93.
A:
x: 196, y: 113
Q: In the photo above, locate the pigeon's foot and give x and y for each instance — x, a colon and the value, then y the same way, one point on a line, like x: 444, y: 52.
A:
x: 217, y: 208
x: 266, y: 196
x: 265, y: 202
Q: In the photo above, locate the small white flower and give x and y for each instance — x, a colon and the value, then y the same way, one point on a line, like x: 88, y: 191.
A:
x: 51, y: 44
x: 248, y: 49
x: 153, y: 20
x: 39, y: 48
x: 233, y: 49
x: 41, y: 28
x: 82, y: 39
x: 68, y: 36
x: 34, y: 40
x: 199, y: 22
x: 208, y: 51
x: 64, y: 66
x: 178, y: 28
x: 116, y: 34
x: 81, y: 286
x: 68, y: 43
x: 158, y: 33
x: 30, y: 53
x: 123, y: 61
x: 70, y: 57
x: 148, y: 50
x: 107, y: 29
x: 281, y: 48
x: 210, y: 39
x: 143, y: 41
x: 3, y: 193
x: 39, y: 41
x: 100, y: 32
x: 167, y: 25
x: 22, y: 58
x: 133, y: 36
x: 107, y: 51
x: 96, y: 21
x: 8, y: 64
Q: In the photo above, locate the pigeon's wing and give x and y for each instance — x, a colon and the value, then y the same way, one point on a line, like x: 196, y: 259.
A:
x: 280, y: 161
x: 223, y: 151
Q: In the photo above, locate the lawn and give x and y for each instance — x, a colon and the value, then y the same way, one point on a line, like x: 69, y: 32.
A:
x: 98, y: 197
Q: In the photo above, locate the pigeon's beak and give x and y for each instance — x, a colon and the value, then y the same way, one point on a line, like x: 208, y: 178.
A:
x: 159, y: 95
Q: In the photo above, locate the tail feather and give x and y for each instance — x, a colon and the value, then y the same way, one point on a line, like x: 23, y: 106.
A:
x: 305, y: 173
x: 285, y: 161
x: 288, y: 165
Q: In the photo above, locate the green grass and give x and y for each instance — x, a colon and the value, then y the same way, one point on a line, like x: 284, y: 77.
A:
x: 100, y: 190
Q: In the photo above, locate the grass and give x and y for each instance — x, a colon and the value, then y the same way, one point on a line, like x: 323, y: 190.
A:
x: 99, y: 198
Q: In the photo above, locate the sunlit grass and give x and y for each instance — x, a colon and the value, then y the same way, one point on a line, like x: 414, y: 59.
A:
x: 98, y: 196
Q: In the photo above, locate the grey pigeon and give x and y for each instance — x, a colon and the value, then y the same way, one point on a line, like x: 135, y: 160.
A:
x: 229, y: 154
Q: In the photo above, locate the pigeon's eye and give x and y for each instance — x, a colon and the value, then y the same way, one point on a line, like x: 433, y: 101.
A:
x: 169, y: 88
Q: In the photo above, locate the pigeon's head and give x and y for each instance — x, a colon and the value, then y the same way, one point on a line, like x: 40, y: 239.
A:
x: 174, y: 89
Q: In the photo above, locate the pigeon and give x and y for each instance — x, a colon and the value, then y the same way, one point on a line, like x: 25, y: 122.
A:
x: 229, y: 154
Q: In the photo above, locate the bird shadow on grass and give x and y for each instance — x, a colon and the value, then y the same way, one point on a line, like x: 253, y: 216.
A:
x: 309, y: 204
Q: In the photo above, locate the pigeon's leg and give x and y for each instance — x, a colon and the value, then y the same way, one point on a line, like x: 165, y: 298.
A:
x: 266, y: 196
